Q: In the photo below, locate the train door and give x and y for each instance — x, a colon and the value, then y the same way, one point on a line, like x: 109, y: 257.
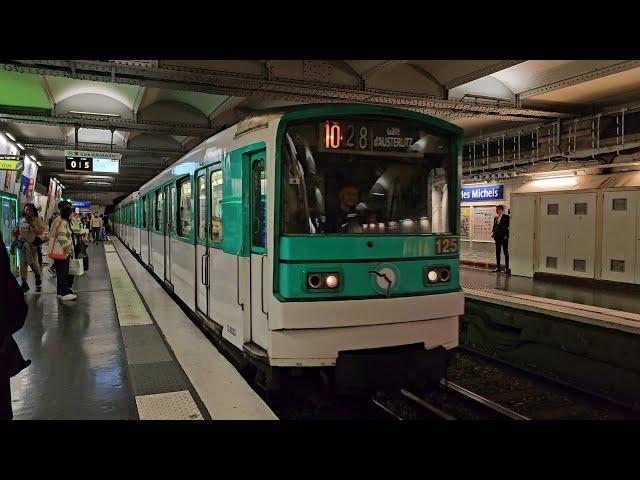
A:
x: 168, y: 228
x: 140, y: 223
x: 259, y: 259
x: 202, y: 244
x: 619, y: 251
x: 149, y: 220
x: 8, y: 218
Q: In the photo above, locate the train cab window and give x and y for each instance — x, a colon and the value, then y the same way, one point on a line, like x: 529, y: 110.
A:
x: 185, y: 209
x: 158, y: 221
x: 202, y: 208
x: 216, y: 206
x: 258, y: 205
x: 366, y: 175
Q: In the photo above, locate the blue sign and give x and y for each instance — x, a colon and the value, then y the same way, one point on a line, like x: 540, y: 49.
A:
x: 482, y: 193
x: 80, y: 204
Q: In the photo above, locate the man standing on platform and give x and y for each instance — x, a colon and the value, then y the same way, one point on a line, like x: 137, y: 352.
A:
x: 500, y: 236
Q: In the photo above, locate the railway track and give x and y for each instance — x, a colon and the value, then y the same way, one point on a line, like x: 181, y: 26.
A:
x: 480, y: 389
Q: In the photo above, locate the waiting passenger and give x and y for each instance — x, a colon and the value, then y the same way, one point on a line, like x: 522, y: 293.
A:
x: 31, y: 235
x: 337, y: 219
x: 500, y: 236
x: 61, y: 245
x: 96, y: 225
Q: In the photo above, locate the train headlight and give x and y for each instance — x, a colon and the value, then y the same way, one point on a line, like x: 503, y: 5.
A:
x: 432, y: 276
x: 437, y: 275
x: 331, y: 281
x: 323, y: 280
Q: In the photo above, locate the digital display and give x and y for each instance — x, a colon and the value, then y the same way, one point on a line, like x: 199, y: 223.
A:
x: 106, y: 165
x: 376, y: 136
x: 82, y: 164
x: 89, y: 164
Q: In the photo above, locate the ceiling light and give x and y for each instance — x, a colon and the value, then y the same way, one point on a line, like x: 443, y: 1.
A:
x: 10, y: 136
x: 38, y: 163
x: 20, y: 146
x: 556, y: 181
x: 94, y: 113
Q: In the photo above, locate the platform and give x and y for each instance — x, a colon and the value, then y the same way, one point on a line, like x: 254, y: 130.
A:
x: 608, y: 307
x: 122, y: 351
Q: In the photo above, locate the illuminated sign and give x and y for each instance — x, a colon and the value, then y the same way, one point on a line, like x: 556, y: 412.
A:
x: 82, y: 164
x: 482, y: 193
x: 106, y: 165
x: 92, y: 162
x: 367, y: 136
x: 81, y: 204
x: 10, y: 164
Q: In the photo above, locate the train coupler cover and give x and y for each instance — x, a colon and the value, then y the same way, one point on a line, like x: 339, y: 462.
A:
x: 410, y: 366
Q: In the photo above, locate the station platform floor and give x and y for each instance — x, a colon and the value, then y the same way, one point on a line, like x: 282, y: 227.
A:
x: 601, y: 296
x: 123, y: 350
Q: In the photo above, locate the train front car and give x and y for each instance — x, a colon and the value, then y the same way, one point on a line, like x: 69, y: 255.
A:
x: 365, y: 261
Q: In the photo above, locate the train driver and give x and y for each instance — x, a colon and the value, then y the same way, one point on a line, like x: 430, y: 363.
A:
x: 337, y: 218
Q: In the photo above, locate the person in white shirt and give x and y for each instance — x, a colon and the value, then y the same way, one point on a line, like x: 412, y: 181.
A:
x: 96, y: 225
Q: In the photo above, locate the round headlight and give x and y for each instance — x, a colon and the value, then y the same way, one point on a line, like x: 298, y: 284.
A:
x: 331, y: 281
x: 314, y: 280
x: 444, y: 275
x: 432, y: 276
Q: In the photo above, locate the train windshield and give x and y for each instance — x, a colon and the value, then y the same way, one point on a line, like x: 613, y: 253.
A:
x: 365, y: 176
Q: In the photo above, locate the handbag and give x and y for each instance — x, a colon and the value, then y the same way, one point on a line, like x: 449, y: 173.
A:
x: 76, y: 267
x: 57, y: 252
x: 38, y: 241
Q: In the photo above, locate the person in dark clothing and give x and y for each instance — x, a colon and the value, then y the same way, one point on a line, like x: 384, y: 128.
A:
x: 13, y: 313
x: 500, y: 236
x: 338, y: 218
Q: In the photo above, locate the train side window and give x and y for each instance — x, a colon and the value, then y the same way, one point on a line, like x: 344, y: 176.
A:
x: 216, y: 206
x: 158, y: 210
x: 202, y: 208
x: 185, y: 209
x: 145, y: 208
x: 259, y: 200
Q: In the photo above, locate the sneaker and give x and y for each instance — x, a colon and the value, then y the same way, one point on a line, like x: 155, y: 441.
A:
x: 496, y: 270
x: 69, y: 296
x: 24, y: 286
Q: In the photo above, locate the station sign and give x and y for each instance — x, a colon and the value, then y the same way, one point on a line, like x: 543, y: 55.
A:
x: 482, y: 193
x: 10, y: 162
x: 81, y: 204
x: 87, y: 161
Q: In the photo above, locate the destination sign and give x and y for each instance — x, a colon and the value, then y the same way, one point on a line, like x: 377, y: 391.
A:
x: 375, y: 136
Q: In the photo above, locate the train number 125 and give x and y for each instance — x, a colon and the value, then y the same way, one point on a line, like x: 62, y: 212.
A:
x: 446, y: 245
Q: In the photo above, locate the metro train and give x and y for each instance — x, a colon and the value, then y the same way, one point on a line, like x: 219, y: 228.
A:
x: 313, y: 237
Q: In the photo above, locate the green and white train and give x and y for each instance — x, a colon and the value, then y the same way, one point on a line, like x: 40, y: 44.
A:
x: 320, y: 236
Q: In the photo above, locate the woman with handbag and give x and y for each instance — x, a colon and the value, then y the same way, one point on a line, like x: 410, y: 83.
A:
x: 61, y: 242
x: 32, y: 236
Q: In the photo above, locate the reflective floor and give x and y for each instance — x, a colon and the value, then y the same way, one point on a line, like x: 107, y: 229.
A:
x: 599, y: 296
x: 79, y: 369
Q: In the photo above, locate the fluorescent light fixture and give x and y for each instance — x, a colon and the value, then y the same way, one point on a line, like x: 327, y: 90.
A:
x: 98, y: 183
x: 38, y: 163
x: 100, y: 177
x: 94, y: 113
x: 557, y: 181
x: 20, y: 146
x: 10, y: 136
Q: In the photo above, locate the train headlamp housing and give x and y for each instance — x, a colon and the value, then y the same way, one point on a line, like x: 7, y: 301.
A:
x: 323, y: 281
x: 436, y: 275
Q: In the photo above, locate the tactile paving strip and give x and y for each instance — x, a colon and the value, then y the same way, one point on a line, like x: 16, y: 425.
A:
x: 129, y: 306
x: 168, y: 406
x: 140, y: 336
x: 160, y: 377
